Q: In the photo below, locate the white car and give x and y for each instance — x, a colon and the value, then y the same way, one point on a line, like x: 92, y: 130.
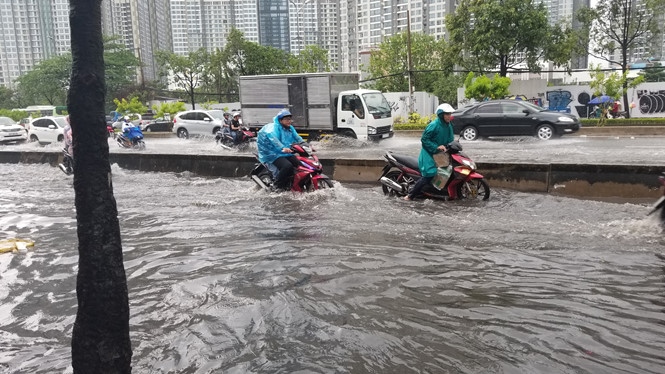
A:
x: 198, y: 122
x: 47, y: 129
x: 11, y: 132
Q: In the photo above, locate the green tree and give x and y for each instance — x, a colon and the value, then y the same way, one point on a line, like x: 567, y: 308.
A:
x: 100, y: 337
x: 120, y: 66
x: 485, y: 34
x: 311, y: 59
x: 131, y: 107
x: 389, y: 65
x: 617, y: 27
x: 171, y: 108
x: 483, y: 88
x: 187, y: 72
x: 655, y: 73
x: 611, y: 84
x: 7, y: 99
x: 243, y: 57
x: 220, y: 79
x: 48, y: 82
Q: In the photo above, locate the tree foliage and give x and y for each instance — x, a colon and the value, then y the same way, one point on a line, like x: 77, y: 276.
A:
x: 186, y: 72
x: 48, y: 82
x: 170, y: 108
x: 311, y: 59
x: 486, y: 34
x: 484, y: 88
x: 617, y: 27
x: 655, y: 73
x: 131, y: 107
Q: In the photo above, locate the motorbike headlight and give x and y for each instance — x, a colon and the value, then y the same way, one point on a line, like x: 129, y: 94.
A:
x: 371, y: 130
x: 566, y: 119
x: 470, y: 164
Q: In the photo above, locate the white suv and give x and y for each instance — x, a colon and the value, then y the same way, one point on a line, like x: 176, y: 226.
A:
x: 10, y: 132
x: 198, y: 122
x: 47, y: 129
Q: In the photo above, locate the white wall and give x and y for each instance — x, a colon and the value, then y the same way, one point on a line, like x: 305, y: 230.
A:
x: 423, y: 103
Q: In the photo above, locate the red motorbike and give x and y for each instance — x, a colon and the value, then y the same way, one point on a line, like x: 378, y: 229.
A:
x: 463, y: 182
x: 308, y: 175
x: 660, y: 204
x: 224, y: 138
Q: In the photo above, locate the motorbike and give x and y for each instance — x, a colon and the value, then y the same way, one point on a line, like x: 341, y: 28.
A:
x: 225, y: 139
x: 308, y: 175
x: 67, y: 165
x: 131, y: 139
x: 660, y: 204
x: 457, y: 181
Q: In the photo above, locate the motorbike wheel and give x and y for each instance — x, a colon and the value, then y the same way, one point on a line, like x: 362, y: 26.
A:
x: 266, y: 177
x: 394, y: 176
x: 474, y: 189
x: 321, y: 184
x: 140, y: 145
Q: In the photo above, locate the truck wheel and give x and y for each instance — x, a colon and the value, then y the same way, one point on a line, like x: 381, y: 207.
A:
x: 349, y: 134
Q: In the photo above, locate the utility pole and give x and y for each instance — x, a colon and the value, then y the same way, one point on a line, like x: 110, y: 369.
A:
x: 408, y: 56
x: 300, y: 31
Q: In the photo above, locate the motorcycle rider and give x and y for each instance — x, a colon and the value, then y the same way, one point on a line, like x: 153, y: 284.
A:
x: 273, y: 142
x: 434, y: 139
x: 235, y: 128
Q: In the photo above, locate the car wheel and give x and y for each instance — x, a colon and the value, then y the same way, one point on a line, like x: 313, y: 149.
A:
x: 147, y: 129
x: 544, y: 132
x: 34, y: 138
x: 214, y: 130
x: 182, y: 133
x: 61, y: 138
x: 469, y: 133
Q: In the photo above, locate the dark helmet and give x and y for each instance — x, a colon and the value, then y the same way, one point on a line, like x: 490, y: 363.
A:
x: 226, y: 114
x: 283, y: 113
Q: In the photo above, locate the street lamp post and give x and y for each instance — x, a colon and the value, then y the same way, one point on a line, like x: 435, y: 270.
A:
x: 300, y: 31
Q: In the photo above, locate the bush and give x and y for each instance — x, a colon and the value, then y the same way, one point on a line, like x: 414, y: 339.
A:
x: 414, y: 122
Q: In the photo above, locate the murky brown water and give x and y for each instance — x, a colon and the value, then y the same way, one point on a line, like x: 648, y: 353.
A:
x: 224, y: 278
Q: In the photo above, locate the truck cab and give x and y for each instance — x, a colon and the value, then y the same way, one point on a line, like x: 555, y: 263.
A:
x: 364, y: 114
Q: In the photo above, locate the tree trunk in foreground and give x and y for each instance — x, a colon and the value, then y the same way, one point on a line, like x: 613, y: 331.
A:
x: 100, y: 339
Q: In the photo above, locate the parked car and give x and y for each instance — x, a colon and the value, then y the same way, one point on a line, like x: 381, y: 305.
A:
x: 198, y: 122
x: 157, y: 124
x: 512, y: 118
x: 47, y: 129
x: 11, y: 132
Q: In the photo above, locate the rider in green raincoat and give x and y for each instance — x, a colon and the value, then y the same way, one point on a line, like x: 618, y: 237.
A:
x: 436, y: 136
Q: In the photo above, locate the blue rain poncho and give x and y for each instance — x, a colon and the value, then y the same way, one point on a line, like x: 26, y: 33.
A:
x: 272, y: 138
x: 437, y: 133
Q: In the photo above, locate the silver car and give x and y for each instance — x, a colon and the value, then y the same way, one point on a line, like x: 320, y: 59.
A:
x: 10, y: 132
x: 198, y: 122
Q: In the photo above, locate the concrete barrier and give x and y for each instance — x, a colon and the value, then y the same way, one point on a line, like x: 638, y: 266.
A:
x: 584, y: 181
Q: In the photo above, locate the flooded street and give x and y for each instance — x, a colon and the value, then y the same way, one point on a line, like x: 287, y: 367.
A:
x: 227, y: 279
x: 567, y: 149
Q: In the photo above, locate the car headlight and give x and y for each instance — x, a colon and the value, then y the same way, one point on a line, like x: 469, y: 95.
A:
x: 565, y: 119
x: 371, y: 130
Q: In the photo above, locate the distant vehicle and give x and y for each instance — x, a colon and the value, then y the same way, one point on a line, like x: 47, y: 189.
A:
x: 45, y: 110
x: 198, y: 122
x: 157, y: 124
x: 321, y: 103
x: 512, y: 118
x: 47, y: 129
x: 11, y: 132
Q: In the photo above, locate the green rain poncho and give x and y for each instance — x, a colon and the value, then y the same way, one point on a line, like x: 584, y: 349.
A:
x: 437, y: 133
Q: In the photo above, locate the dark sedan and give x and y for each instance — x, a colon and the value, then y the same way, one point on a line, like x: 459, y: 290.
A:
x: 512, y: 118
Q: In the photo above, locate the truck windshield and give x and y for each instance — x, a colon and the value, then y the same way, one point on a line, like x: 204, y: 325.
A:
x: 377, y: 104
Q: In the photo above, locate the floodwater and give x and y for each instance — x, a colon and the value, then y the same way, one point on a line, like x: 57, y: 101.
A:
x: 566, y: 149
x: 224, y: 278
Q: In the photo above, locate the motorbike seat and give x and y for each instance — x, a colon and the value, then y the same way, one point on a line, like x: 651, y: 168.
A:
x: 409, y: 161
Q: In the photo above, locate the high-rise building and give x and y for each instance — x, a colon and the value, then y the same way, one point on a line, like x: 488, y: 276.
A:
x: 274, y: 24
x: 31, y: 31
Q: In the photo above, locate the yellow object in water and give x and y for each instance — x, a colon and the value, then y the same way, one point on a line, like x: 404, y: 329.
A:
x: 15, y: 245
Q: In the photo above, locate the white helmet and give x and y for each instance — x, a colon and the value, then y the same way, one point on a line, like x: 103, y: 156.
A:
x: 444, y: 108
x: 236, y: 114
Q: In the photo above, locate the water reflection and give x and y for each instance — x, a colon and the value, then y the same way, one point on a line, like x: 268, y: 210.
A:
x: 225, y: 278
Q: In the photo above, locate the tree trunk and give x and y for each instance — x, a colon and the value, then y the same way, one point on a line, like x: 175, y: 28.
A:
x: 100, y: 338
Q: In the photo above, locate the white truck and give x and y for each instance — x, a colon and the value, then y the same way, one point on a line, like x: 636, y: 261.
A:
x: 321, y: 103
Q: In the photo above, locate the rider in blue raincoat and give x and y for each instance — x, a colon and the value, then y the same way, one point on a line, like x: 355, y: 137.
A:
x: 436, y: 136
x: 274, y: 145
